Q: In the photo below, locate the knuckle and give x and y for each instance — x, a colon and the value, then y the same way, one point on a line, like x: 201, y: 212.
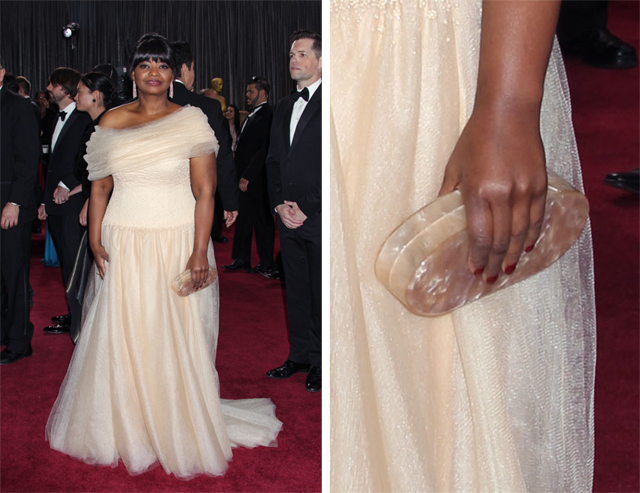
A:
x: 480, y: 239
x: 499, y: 247
x: 537, y: 223
x: 519, y: 233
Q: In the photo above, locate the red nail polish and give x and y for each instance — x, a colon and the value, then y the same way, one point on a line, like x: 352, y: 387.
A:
x: 492, y: 280
x: 478, y: 272
x: 509, y: 269
x: 528, y: 249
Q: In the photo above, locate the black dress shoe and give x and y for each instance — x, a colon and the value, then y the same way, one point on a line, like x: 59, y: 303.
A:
x: 62, y: 319
x: 268, y: 273
x: 57, y: 329
x: 599, y: 48
x: 289, y: 368
x: 314, y: 379
x: 7, y: 356
x: 237, y: 264
x: 271, y: 274
x: 629, y: 181
x: 219, y: 238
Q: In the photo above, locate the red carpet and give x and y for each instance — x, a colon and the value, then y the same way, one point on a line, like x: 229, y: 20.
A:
x: 605, y: 115
x: 253, y: 339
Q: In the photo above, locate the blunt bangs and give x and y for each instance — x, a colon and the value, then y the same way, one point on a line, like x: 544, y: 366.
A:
x: 152, y: 47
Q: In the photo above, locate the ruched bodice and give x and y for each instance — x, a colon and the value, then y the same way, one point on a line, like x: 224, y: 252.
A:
x: 152, y: 186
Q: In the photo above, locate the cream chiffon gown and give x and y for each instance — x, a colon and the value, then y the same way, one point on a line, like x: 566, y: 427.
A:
x: 142, y: 386
x: 497, y: 396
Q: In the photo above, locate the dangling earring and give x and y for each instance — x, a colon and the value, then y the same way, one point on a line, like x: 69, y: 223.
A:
x: 135, y: 90
x: 171, y: 90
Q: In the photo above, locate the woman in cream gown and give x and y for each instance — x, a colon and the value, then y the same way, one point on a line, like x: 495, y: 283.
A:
x: 142, y: 386
x: 498, y: 395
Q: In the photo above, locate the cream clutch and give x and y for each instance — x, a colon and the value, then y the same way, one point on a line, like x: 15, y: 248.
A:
x: 184, y: 286
x: 424, y: 261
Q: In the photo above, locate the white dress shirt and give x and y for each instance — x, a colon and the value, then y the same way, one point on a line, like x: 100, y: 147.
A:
x: 298, y: 108
x: 56, y: 132
x: 251, y: 115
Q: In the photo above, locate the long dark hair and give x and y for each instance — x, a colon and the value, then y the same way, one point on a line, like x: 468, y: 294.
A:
x: 155, y: 47
x: 236, y: 118
x: 95, y: 81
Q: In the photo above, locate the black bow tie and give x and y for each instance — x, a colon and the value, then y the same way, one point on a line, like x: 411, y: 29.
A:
x: 62, y: 115
x: 304, y: 94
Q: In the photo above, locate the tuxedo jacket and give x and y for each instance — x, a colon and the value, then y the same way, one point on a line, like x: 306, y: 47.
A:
x: 294, y: 170
x: 253, y: 146
x: 61, y: 165
x: 227, y: 181
x: 20, y: 152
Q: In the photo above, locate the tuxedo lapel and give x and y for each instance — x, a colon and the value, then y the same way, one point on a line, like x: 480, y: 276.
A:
x: 287, y: 123
x: 250, y: 120
x: 312, y: 108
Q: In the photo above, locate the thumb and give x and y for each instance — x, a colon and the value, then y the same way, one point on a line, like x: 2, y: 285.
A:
x: 450, y: 181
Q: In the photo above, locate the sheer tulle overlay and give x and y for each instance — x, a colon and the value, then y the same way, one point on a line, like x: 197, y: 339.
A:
x: 498, y: 395
x: 142, y: 385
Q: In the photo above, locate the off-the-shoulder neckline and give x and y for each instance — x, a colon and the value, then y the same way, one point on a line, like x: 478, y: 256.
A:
x: 179, y: 110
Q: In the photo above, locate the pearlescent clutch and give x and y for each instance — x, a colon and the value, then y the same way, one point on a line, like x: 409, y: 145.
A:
x: 423, y: 263
x: 183, y: 285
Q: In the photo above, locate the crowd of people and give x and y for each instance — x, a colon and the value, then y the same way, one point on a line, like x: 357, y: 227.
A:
x: 185, y: 163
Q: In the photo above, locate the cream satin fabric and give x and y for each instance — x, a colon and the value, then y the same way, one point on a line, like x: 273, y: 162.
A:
x: 497, y: 396
x: 142, y: 386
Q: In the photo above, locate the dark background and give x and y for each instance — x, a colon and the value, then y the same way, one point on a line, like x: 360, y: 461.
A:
x: 234, y: 40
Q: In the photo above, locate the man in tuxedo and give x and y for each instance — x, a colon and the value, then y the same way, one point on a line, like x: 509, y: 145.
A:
x: 25, y: 91
x: 294, y: 170
x: 20, y: 152
x: 62, y: 200
x: 182, y: 95
x: 254, y: 212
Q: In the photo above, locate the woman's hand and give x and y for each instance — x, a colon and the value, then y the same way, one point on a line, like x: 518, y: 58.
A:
x: 199, y: 266
x: 101, y: 257
x: 499, y: 166
x: 83, y: 213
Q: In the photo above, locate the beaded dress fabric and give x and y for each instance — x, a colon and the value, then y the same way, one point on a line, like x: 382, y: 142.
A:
x: 497, y: 395
x: 142, y: 386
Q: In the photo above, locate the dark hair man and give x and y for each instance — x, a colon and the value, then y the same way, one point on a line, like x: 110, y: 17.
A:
x: 182, y: 95
x: 20, y: 154
x: 24, y: 90
x: 254, y: 212
x: 61, y: 200
x: 294, y: 170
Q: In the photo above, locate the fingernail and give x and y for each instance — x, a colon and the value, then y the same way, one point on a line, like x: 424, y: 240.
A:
x: 478, y: 272
x: 509, y: 269
x: 528, y: 249
x: 492, y: 280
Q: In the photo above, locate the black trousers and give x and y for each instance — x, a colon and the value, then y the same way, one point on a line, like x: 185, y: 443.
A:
x: 302, y: 260
x: 66, y: 233
x: 578, y: 18
x: 254, y: 214
x: 17, y: 329
x: 218, y: 217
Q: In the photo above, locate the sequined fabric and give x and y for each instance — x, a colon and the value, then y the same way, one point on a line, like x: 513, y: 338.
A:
x: 142, y: 386
x: 498, y: 395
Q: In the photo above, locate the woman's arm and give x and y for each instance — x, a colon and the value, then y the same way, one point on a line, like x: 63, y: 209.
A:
x: 100, y: 190
x: 498, y: 162
x: 203, y: 185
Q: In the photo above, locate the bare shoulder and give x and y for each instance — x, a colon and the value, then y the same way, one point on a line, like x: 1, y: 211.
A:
x: 119, y: 117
